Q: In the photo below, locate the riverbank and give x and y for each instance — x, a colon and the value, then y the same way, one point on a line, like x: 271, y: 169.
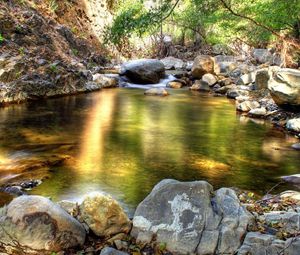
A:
x: 175, y: 218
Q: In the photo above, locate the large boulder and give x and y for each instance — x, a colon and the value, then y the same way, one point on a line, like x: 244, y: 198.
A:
x: 284, y: 87
x: 190, y: 218
x: 262, y: 56
x: 37, y: 224
x: 143, y: 71
x: 103, y: 215
x: 202, y: 64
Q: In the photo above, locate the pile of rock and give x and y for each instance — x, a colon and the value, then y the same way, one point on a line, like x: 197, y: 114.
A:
x: 178, y: 217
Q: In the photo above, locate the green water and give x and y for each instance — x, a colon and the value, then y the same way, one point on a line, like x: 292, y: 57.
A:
x: 122, y: 142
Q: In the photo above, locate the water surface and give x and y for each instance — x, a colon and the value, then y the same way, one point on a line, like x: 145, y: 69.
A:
x: 122, y: 142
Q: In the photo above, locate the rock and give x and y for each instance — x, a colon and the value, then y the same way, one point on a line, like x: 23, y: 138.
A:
x: 256, y: 243
x: 176, y: 84
x: 236, y: 92
x: 202, y: 64
x: 262, y: 56
x: 293, y: 125
x: 225, y: 82
x: 187, y: 217
x: 68, y: 206
x: 290, y: 221
x: 103, y: 215
x: 36, y: 223
x: 284, y: 87
x: 105, y: 80
x: 295, y: 178
x: 291, y: 194
x: 210, y: 79
x: 112, y: 251
x: 258, y: 112
x: 11, y: 68
x: 143, y: 71
x: 246, y: 106
x: 172, y: 63
x: 296, y: 146
x: 224, y: 67
x: 223, y: 90
x: 262, y: 78
x: 156, y: 92
x: 200, y: 85
x: 247, y: 78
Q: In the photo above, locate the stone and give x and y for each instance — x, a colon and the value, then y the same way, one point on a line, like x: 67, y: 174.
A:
x: 290, y: 220
x: 295, y: 178
x: 284, y: 87
x: 200, y: 85
x: 156, y: 92
x: 236, y: 92
x: 202, y: 64
x: 69, y: 206
x: 143, y: 71
x: 296, y: 146
x: 246, y: 106
x: 103, y: 215
x: 258, y: 112
x: 210, y: 79
x: 225, y: 82
x: 291, y: 194
x: 112, y: 251
x: 172, y: 63
x: 224, y: 67
x: 262, y: 56
x: 37, y: 223
x: 106, y: 80
x: 247, y: 78
x: 262, y: 78
x: 293, y: 125
x: 256, y: 243
x: 176, y: 84
x: 223, y: 90
x: 189, y: 217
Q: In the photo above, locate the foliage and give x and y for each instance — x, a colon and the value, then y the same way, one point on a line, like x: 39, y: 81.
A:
x: 53, y: 6
x: 258, y: 23
x: 1, y: 38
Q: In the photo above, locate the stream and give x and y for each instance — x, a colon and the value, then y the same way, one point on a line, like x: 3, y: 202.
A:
x: 122, y: 142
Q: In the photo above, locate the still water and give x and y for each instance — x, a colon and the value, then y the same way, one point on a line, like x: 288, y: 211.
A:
x: 122, y: 142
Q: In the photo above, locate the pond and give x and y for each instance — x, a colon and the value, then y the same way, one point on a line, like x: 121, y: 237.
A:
x: 122, y: 142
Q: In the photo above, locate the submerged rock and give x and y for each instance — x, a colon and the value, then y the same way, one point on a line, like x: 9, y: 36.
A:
x: 143, y: 71
x: 156, y: 92
x: 202, y: 64
x: 189, y: 218
x: 36, y: 223
x: 103, y: 215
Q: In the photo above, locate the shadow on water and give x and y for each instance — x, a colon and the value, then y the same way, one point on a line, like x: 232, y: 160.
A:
x: 123, y: 143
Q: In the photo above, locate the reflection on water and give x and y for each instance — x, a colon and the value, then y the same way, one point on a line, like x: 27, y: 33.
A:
x: 123, y: 143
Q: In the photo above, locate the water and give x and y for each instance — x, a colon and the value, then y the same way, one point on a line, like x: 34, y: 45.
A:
x: 122, y: 142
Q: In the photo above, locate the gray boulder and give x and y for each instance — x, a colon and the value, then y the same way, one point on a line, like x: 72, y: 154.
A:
x: 284, y: 87
x: 246, y: 79
x: 143, y: 71
x: 36, y: 223
x: 190, y: 218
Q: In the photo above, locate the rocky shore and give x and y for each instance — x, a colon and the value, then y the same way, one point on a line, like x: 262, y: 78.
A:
x: 175, y: 218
